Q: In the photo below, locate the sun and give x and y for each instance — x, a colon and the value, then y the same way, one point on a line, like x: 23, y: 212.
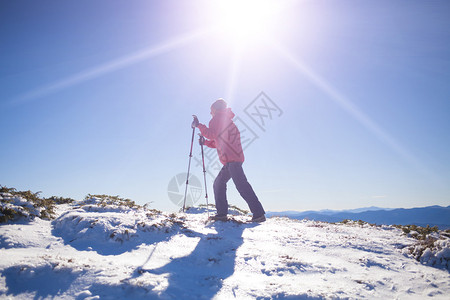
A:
x: 243, y: 21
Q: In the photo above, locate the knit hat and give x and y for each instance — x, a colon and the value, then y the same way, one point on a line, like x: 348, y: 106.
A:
x: 219, y: 105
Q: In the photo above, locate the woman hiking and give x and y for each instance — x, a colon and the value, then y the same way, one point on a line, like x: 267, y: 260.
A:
x: 223, y: 135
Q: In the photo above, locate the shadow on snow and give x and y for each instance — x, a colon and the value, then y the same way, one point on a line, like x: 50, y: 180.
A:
x: 202, y: 272
x: 45, y: 281
x: 199, y: 275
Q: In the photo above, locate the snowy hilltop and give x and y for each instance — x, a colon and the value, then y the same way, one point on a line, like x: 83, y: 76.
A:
x: 109, y: 248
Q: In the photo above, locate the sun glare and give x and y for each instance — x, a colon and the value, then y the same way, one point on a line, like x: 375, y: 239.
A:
x: 241, y: 21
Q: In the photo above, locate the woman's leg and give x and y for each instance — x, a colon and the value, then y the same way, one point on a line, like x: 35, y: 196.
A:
x: 245, y: 189
x: 220, y: 190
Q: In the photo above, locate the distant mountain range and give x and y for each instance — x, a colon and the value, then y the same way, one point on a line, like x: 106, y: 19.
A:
x: 421, y: 216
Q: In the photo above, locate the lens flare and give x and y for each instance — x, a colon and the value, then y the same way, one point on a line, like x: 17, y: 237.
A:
x: 241, y: 21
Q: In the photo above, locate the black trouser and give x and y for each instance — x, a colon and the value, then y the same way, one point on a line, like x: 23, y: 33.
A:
x: 233, y: 170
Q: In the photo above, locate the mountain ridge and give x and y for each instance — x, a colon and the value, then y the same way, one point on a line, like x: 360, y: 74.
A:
x: 434, y: 215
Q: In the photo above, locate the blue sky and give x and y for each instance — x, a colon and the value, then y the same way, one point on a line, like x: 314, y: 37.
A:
x: 97, y: 97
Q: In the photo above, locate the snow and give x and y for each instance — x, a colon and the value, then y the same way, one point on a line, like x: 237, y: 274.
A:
x: 93, y: 251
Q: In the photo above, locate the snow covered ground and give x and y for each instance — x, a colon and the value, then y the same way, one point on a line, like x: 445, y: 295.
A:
x: 93, y: 251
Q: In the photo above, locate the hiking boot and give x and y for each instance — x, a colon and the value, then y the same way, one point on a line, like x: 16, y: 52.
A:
x: 219, y: 218
x: 259, y: 219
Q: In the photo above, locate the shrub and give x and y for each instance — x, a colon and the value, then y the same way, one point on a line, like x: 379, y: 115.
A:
x: 417, y: 232
x: 61, y: 200
x: 105, y: 200
x: 7, y: 214
x: 16, y: 204
x: 431, y: 247
x: 239, y: 210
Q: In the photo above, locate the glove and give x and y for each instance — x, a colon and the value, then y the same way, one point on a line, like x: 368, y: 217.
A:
x: 195, y: 122
x: 201, y: 140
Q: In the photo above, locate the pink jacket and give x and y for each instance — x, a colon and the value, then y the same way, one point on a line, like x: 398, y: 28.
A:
x: 223, y: 135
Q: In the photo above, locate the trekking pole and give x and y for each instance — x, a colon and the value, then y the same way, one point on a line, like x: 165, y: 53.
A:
x: 189, y: 165
x: 202, y: 142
